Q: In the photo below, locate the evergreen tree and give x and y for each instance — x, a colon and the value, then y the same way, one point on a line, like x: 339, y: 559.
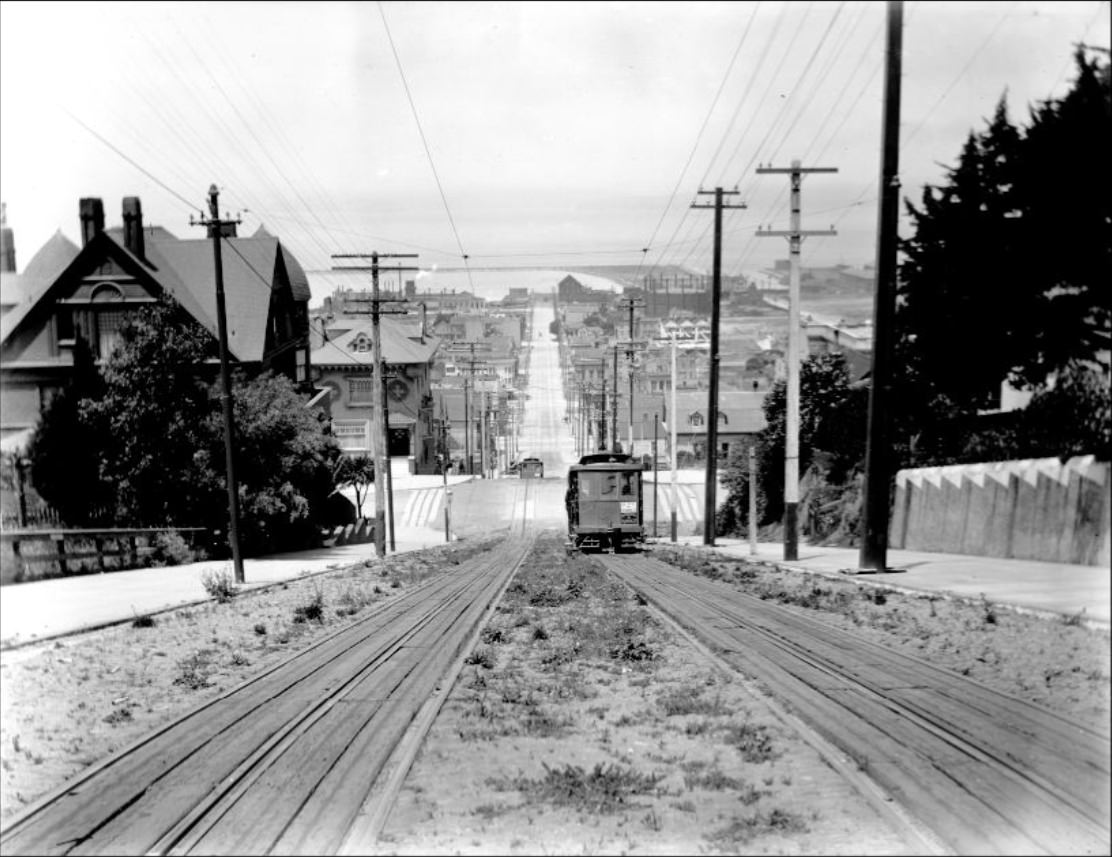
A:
x: 1006, y: 274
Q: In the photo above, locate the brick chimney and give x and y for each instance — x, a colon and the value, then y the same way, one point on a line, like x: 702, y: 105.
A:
x: 133, y: 225
x: 92, y: 218
x: 7, y: 242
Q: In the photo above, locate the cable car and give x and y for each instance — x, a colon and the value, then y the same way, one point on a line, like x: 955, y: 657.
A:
x: 605, y: 504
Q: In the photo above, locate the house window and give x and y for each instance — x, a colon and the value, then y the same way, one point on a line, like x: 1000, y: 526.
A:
x: 696, y: 419
x: 360, y: 391
x: 361, y: 343
x: 723, y: 419
x: 351, y: 435
x: 108, y: 324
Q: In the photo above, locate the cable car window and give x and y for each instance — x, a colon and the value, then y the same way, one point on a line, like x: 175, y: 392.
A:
x: 627, y: 485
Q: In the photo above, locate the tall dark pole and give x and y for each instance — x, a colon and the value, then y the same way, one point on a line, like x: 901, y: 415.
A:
x: 614, y: 411
x: 874, y: 524
x: 215, y: 226
x: 710, y: 501
x: 467, y: 423
x: 656, y: 470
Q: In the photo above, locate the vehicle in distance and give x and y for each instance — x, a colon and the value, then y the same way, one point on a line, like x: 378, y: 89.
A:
x: 530, y: 468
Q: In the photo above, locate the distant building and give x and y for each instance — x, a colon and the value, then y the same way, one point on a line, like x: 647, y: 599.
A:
x: 343, y: 364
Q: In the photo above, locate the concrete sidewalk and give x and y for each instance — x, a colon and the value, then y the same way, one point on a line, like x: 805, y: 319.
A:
x: 48, y: 608
x: 1041, y: 587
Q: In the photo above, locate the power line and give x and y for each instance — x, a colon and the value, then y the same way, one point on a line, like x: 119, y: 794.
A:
x: 424, y: 142
x: 143, y: 170
x: 698, y: 139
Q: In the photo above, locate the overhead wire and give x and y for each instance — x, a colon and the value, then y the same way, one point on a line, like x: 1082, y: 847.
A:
x: 699, y: 137
x: 425, y: 142
x: 706, y: 227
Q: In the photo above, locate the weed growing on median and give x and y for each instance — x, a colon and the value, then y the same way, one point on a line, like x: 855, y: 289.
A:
x: 604, y: 789
x: 194, y: 671
x: 219, y: 585
x: 753, y: 742
x: 313, y: 610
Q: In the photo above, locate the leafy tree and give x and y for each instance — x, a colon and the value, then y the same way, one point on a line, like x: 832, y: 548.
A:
x: 831, y: 421
x: 284, y: 462
x: 65, y: 466
x: 154, y: 418
x: 154, y: 429
x: 357, y: 472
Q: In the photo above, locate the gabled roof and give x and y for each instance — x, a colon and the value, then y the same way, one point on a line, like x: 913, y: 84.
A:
x: 250, y: 268
x: 41, y: 272
x: 150, y: 233
x: 184, y: 269
x: 397, y: 347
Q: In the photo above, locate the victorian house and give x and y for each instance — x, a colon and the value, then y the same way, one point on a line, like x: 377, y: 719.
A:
x: 67, y: 291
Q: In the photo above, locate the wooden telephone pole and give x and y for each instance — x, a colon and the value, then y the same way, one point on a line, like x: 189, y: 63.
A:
x: 795, y: 237
x: 710, y: 501
x: 471, y: 364
x: 383, y: 478
x: 874, y: 519
x: 216, y: 232
x: 631, y: 304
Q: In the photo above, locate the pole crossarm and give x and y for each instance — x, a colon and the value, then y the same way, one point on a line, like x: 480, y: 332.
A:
x: 787, y: 233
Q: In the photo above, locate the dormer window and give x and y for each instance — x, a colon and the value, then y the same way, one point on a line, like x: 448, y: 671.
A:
x: 361, y: 343
x: 696, y: 419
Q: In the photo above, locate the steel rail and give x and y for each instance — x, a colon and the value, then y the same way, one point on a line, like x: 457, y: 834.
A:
x: 987, y: 772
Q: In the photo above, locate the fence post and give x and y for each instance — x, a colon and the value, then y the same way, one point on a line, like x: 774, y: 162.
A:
x: 21, y: 566
x: 98, y: 543
x: 133, y: 551
x: 61, y: 542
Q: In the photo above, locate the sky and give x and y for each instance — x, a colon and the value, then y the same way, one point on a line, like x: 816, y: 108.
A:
x: 504, y: 134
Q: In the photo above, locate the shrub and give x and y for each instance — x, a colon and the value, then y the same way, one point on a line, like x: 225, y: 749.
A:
x: 170, y: 548
x: 313, y: 610
x: 194, y: 671
x: 219, y: 585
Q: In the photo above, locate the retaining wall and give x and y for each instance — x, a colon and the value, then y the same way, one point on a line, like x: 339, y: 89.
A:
x: 1039, y: 509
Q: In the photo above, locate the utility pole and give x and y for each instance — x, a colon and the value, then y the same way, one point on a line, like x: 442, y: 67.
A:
x: 614, y: 410
x: 712, y: 396
x: 216, y: 232
x: 874, y: 521
x: 672, y: 425
x: 468, y: 430
x: 384, y: 494
x: 630, y: 304
x: 795, y: 237
x: 602, y: 409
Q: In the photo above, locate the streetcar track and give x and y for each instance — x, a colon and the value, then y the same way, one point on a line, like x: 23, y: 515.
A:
x: 998, y: 773
x: 322, y: 691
